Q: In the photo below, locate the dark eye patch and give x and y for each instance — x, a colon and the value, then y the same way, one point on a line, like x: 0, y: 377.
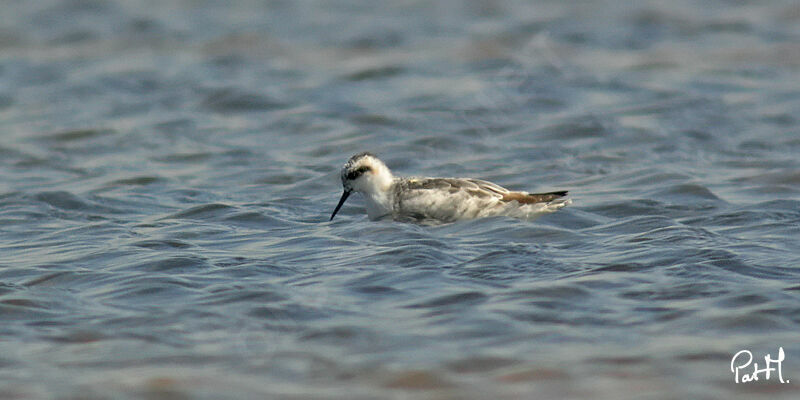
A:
x: 352, y: 175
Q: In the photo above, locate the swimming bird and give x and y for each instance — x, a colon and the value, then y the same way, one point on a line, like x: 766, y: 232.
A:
x: 432, y: 200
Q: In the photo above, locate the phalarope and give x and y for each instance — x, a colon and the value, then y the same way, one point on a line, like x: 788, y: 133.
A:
x: 437, y: 199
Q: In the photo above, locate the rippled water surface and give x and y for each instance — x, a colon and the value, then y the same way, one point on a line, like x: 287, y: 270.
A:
x: 167, y: 170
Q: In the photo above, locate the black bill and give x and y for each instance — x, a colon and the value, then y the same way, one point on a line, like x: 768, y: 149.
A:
x: 345, y: 195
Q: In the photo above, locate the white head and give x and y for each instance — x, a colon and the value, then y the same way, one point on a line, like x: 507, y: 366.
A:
x: 366, y: 174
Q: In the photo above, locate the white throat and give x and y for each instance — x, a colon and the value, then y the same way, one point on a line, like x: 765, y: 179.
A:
x: 377, y: 192
x: 378, y: 203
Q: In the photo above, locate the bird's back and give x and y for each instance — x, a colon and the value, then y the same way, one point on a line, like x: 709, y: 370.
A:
x: 451, y: 199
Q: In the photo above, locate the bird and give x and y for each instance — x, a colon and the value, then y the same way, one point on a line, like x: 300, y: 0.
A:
x: 437, y: 200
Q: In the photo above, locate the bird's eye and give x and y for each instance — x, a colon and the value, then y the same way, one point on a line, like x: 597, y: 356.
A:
x: 353, y: 175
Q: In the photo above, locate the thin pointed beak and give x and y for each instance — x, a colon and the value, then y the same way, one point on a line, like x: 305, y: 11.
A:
x: 345, y: 195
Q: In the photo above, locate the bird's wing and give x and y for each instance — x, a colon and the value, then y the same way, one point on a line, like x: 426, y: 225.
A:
x: 488, y: 186
x: 454, y: 187
x: 520, y: 197
x: 450, y: 199
x: 445, y: 198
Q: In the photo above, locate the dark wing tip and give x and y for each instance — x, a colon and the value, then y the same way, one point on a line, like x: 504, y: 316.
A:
x: 533, y: 198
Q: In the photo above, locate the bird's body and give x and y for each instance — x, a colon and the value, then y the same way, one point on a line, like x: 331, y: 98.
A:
x: 437, y: 199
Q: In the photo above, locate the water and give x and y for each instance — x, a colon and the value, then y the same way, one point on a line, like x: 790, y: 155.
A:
x: 167, y: 170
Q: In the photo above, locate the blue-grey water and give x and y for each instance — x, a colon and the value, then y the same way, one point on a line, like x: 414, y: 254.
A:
x: 167, y: 171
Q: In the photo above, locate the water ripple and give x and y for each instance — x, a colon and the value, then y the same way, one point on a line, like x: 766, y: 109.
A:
x: 167, y: 174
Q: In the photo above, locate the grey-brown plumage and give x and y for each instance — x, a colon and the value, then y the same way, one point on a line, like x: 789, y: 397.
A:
x: 449, y: 199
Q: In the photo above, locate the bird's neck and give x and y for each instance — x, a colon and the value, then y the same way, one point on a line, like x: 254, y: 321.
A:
x: 379, y: 202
